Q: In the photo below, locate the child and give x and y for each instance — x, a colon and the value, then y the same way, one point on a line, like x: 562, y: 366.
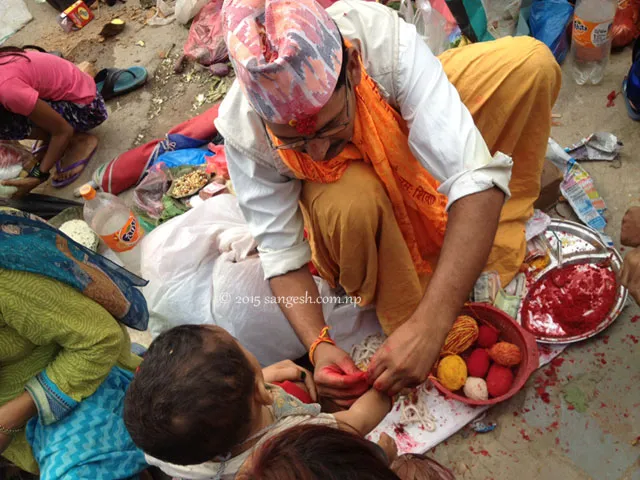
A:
x: 315, y: 452
x: 44, y: 97
x: 200, y: 404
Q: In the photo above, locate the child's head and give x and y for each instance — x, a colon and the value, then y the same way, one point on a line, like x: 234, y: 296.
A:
x: 195, y: 395
x: 9, y: 54
x: 314, y: 452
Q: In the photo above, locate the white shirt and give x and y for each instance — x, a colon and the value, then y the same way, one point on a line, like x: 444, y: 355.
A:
x: 442, y: 137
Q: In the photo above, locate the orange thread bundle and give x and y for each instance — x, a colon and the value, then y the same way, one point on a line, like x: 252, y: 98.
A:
x: 505, y: 354
x: 462, y: 335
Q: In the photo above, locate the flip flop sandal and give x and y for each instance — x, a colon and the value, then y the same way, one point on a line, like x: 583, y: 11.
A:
x: 69, y: 180
x: 38, y: 147
x: 112, y: 82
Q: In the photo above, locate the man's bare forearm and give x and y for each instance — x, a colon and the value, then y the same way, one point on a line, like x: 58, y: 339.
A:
x: 306, y: 318
x: 471, y: 229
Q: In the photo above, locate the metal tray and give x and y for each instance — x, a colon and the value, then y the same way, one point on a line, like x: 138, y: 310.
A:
x: 579, y: 244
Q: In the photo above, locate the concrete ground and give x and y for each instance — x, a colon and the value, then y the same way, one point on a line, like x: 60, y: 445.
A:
x: 533, y: 439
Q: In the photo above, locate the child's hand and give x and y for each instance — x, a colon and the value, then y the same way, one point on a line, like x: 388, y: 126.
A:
x: 287, y: 370
x: 24, y: 186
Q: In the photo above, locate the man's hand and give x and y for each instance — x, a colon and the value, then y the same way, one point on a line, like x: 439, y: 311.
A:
x: 406, y: 357
x: 337, y: 377
x: 289, y: 371
x: 630, y: 232
x: 630, y: 275
x: 24, y: 186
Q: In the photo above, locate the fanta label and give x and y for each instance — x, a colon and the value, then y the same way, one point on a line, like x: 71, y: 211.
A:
x: 127, y: 237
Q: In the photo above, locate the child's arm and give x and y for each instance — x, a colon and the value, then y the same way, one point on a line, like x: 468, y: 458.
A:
x: 367, y: 412
x: 55, y: 125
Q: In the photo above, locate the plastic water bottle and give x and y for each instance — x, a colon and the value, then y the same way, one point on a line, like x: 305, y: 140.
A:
x: 115, y: 224
x: 591, y: 39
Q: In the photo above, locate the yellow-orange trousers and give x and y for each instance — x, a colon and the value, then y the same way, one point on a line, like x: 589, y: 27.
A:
x: 509, y: 86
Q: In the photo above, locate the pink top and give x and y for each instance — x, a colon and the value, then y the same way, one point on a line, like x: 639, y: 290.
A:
x: 47, y: 77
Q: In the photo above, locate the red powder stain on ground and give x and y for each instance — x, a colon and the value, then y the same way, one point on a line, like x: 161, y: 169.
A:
x: 557, y: 362
x: 543, y: 394
x: 553, y: 426
x: 515, y: 414
x: 571, y: 407
x: 605, y: 339
x: 557, y: 441
x: 603, y: 361
x: 524, y: 435
x: 633, y: 338
x: 484, y: 453
x: 603, y: 405
x: 635, y: 318
x: 626, y: 415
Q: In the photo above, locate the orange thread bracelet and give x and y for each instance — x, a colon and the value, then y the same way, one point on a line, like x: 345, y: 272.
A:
x: 322, y: 338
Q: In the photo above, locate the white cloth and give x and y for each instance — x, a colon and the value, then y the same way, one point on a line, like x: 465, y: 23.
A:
x: 202, y: 269
x: 442, y: 136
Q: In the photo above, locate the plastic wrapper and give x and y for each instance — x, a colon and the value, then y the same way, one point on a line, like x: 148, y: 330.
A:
x: 626, y: 24
x: 149, y: 192
x: 579, y: 190
x: 205, y: 43
x: 549, y: 21
x: 595, y: 147
x: 429, y: 23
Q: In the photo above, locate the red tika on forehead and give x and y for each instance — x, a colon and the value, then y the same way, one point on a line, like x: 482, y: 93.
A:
x: 305, y: 126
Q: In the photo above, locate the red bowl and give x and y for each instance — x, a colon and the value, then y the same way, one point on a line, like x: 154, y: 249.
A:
x: 510, y: 332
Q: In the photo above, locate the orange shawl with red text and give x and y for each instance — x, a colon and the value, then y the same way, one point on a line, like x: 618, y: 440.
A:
x: 380, y: 138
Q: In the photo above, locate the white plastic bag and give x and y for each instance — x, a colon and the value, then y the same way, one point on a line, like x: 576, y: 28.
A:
x: 13, y: 156
x: 165, y: 13
x: 14, y: 15
x: 187, y: 9
x: 202, y: 269
x: 429, y: 23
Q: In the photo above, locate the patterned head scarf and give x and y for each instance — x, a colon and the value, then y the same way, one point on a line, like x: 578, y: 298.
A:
x: 287, y: 56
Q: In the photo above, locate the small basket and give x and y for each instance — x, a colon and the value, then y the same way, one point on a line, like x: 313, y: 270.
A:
x: 510, y: 332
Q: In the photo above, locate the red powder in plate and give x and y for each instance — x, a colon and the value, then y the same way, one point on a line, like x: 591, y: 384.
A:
x: 570, y: 300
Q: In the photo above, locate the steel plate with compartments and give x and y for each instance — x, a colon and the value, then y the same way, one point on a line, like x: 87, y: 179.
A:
x: 579, y: 244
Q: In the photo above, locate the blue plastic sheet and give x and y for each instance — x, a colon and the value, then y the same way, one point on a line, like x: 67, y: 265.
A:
x: 185, y: 156
x: 548, y: 21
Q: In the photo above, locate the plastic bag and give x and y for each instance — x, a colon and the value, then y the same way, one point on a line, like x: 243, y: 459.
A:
x: 185, y: 156
x: 429, y: 23
x: 202, y: 268
x: 626, y: 24
x: 187, y: 9
x: 205, y: 43
x: 13, y: 157
x: 14, y: 15
x: 165, y: 13
x: 502, y: 17
x: 549, y: 22
x: 149, y: 192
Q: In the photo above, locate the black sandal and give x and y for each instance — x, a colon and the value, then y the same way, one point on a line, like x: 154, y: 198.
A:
x: 112, y: 82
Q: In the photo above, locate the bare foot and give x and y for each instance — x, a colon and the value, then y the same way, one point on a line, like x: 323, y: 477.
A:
x: 80, y: 148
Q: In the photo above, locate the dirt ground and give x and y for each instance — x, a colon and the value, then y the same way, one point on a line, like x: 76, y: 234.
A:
x: 533, y: 439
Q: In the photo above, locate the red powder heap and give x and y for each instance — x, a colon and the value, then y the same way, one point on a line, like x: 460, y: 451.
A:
x: 487, y: 336
x: 499, y: 380
x: 478, y: 363
x: 570, y: 301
